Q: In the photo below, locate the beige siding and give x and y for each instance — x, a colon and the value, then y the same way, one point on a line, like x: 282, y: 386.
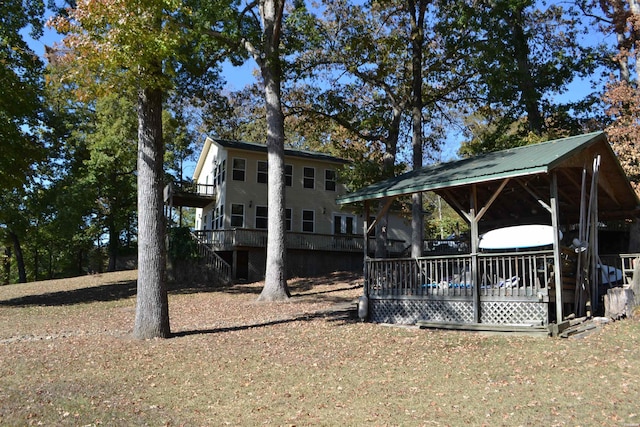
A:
x: 250, y: 193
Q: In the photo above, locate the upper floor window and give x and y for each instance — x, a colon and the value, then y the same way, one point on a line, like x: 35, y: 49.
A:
x: 308, y: 221
x: 309, y: 178
x: 239, y: 168
x: 261, y: 217
x: 330, y: 180
x: 237, y: 215
x: 288, y: 175
x: 262, y: 173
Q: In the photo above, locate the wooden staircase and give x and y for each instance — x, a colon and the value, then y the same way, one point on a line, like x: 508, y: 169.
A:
x: 218, y: 266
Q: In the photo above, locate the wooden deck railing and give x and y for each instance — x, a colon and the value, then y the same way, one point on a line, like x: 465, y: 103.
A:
x: 622, y: 262
x: 221, y: 240
x: 513, y: 275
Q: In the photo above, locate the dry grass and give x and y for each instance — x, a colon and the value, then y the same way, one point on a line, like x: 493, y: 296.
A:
x: 68, y: 359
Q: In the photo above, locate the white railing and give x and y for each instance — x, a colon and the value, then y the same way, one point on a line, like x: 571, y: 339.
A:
x: 243, y: 237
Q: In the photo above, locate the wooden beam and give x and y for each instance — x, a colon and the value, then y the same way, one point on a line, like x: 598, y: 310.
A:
x: 535, y: 196
x: 492, y: 199
x: 453, y: 202
x: 382, y: 212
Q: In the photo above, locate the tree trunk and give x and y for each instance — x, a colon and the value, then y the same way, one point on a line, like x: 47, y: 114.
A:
x: 6, y: 264
x: 417, y: 40
x: 152, y: 308
x: 529, y: 92
x: 112, y: 246
x: 22, y: 272
x: 275, y: 284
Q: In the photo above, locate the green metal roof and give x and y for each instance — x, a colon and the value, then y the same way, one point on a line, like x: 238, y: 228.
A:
x: 514, y: 162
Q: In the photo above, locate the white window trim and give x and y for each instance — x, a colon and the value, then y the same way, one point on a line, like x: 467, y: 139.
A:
x: 290, y: 219
x: 258, y: 171
x: 303, y: 221
x: 233, y: 169
x: 231, y: 215
x: 343, y: 223
x: 255, y: 217
x: 335, y: 179
x: 285, y: 175
x: 304, y: 177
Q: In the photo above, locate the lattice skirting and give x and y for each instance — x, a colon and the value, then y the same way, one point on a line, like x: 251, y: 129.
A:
x: 408, y: 312
x: 515, y: 313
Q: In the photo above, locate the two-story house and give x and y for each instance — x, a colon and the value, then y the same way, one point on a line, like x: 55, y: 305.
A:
x: 321, y: 236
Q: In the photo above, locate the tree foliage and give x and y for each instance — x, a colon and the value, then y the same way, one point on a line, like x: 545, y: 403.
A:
x: 526, y: 55
x: 21, y: 108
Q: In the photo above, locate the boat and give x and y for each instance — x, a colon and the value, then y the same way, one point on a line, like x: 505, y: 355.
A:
x: 518, y: 237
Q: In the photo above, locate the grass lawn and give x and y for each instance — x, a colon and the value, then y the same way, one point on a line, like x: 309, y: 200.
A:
x: 67, y: 358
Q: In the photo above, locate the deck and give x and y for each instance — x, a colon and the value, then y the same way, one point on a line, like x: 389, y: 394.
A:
x: 497, y: 288
x: 225, y: 240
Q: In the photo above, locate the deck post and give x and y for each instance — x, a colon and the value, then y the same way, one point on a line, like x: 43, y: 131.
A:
x: 473, y: 222
x: 363, y: 302
x: 557, y: 260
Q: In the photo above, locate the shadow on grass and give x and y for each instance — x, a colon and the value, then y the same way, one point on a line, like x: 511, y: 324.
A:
x: 298, y: 287
x: 111, y: 292
x: 126, y: 289
x: 340, y: 314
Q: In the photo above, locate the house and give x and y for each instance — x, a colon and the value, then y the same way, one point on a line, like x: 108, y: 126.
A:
x: 570, y: 184
x: 230, y: 196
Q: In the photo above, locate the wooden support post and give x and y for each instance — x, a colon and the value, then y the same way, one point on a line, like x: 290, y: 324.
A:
x: 363, y: 301
x: 557, y: 260
x: 234, y: 265
x: 474, y: 253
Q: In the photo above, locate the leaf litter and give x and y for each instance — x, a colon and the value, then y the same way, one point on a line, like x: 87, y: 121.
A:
x: 68, y: 358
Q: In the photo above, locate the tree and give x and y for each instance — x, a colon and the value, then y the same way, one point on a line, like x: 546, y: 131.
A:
x: 21, y: 108
x: 417, y: 10
x: 526, y: 54
x: 142, y: 47
x: 622, y: 95
x: 111, y: 143
x: 267, y: 56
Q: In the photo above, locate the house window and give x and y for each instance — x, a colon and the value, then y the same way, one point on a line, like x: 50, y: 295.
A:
x: 288, y: 219
x: 237, y: 215
x: 262, y: 174
x: 308, y: 221
x: 330, y: 180
x: 288, y: 175
x: 343, y: 224
x: 239, y: 168
x: 204, y: 223
x: 214, y: 224
x: 261, y: 217
x: 309, y: 178
x: 221, y: 170
x: 219, y: 220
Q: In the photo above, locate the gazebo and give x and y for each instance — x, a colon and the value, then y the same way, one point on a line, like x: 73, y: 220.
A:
x: 568, y: 184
